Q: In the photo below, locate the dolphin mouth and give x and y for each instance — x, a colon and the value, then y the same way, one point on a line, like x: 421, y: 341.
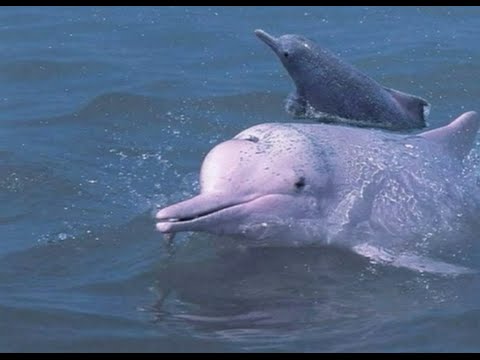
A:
x: 195, y: 213
x: 267, y: 38
x: 192, y: 217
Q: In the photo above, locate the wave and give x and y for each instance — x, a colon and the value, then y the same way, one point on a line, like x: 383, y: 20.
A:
x: 126, y: 110
x: 40, y: 70
x: 24, y: 180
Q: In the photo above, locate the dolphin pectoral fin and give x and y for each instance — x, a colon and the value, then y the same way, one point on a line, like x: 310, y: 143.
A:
x: 417, y: 108
x: 458, y: 137
x: 296, y: 105
x: 410, y: 261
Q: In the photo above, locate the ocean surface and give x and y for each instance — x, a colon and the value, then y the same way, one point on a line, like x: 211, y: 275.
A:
x: 106, y: 114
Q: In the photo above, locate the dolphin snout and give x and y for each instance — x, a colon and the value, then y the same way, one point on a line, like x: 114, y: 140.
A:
x: 267, y: 38
x: 166, y: 218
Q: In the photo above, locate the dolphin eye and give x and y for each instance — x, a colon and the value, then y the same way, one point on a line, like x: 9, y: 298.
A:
x: 300, y: 183
x: 286, y: 54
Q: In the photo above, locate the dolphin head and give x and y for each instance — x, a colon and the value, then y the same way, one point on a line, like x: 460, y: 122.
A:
x: 297, y: 53
x: 260, y: 185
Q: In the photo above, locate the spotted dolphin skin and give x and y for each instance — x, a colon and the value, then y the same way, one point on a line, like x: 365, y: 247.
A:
x: 327, y: 88
x: 297, y: 184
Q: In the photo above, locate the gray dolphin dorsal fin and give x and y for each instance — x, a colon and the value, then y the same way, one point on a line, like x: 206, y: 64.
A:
x: 415, y: 106
x: 458, y: 136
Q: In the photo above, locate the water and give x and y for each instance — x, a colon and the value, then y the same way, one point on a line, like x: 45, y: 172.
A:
x: 107, y: 112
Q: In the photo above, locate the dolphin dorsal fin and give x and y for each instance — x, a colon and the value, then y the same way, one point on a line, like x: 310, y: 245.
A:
x: 415, y: 106
x: 458, y: 136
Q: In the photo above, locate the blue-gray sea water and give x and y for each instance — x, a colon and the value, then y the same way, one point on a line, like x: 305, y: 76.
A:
x: 106, y: 114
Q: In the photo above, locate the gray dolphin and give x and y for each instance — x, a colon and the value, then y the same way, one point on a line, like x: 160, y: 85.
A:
x: 296, y: 184
x: 330, y: 89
